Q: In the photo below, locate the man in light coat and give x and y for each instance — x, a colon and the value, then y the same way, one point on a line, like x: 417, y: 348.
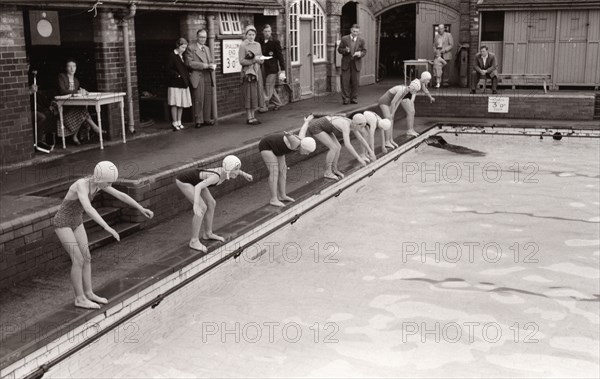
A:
x: 199, y: 61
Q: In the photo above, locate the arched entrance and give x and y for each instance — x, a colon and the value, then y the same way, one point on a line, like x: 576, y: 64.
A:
x: 407, y: 31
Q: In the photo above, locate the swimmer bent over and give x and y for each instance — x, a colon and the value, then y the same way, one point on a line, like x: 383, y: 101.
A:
x: 68, y: 225
x: 194, y: 185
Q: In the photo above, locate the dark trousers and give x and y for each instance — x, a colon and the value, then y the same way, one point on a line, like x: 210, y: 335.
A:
x: 475, y: 76
x: 202, y: 101
x: 350, y: 80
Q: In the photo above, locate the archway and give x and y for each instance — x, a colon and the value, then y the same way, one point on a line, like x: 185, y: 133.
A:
x: 396, y: 40
x: 407, y: 30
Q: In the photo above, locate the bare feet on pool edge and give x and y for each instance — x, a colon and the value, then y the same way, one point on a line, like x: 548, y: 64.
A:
x: 339, y: 174
x: 394, y: 144
x: 286, y: 198
x: 331, y: 176
x: 213, y: 236
x: 86, y: 303
x: 412, y: 133
x: 276, y: 203
x: 95, y: 298
x: 197, y: 245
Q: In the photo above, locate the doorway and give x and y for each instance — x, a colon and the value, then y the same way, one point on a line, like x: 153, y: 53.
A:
x: 305, y: 58
x: 397, y: 40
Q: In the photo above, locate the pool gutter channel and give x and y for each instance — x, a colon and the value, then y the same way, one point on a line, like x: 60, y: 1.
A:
x: 289, y: 216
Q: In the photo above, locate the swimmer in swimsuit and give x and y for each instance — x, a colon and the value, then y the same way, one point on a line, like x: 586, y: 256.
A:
x: 194, y: 184
x: 374, y: 123
x: 68, y: 225
x: 273, y: 149
x: 323, y: 129
x: 404, y: 96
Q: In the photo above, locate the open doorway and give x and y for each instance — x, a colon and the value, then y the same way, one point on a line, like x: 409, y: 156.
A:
x: 397, y: 41
x: 348, y: 18
x: 155, y: 36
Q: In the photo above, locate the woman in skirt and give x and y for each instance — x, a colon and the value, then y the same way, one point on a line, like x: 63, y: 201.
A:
x: 74, y: 117
x: 179, y: 95
x: 68, y: 225
x: 251, y: 58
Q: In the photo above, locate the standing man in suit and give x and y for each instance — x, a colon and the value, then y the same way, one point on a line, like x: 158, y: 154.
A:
x: 484, y: 66
x: 352, y: 48
x: 200, y: 62
x: 272, y: 68
x: 444, y: 43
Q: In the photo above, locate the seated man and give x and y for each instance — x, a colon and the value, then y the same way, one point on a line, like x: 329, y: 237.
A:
x: 484, y: 66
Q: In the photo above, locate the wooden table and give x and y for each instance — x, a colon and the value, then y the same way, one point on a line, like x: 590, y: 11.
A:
x: 415, y: 62
x: 97, y: 99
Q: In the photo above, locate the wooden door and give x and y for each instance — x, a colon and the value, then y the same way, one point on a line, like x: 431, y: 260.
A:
x: 368, y: 30
x: 515, y: 42
x: 305, y: 57
x: 592, y: 60
x: 541, y: 40
x: 572, y: 46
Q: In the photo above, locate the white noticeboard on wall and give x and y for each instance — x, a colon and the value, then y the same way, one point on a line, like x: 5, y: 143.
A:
x: 230, y: 50
x: 497, y: 104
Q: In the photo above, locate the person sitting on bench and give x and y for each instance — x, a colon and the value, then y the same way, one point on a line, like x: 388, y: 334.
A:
x: 485, y: 66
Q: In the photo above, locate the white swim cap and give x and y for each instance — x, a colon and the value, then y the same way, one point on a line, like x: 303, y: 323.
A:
x: 231, y: 163
x: 359, y: 120
x: 425, y: 75
x: 370, y: 117
x: 415, y: 86
x: 106, y: 172
x: 308, y: 144
x: 385, y: 124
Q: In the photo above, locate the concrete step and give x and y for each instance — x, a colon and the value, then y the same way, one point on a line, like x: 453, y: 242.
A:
x: 101, y: 237
x: 110, y: 215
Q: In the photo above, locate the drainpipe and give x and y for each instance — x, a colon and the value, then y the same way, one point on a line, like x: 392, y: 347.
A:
x: 125, y: 23
x: 211, y: 46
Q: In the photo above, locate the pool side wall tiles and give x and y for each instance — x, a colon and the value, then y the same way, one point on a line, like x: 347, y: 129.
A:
x: 120, y: 310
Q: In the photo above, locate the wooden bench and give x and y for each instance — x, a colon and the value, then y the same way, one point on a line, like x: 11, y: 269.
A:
x: 525, y: 79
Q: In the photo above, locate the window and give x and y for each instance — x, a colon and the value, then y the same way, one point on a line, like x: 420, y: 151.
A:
x: 492, y: 26
x: 229, y: 23
x: 308, y: 9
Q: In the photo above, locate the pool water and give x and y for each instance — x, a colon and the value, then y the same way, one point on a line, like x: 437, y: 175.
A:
x: 439, y: 265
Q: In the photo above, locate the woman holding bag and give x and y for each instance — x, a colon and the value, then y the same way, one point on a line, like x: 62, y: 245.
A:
x: 250, y: 56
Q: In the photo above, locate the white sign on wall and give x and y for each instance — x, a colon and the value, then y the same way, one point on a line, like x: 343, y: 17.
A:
x: 497, y: 104
x: 230, y: 50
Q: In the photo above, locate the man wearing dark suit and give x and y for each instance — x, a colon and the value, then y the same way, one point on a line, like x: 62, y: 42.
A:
x: 484, y: 66
x: 199, y: 61
x: 272, y: 67
x: 352, y: 48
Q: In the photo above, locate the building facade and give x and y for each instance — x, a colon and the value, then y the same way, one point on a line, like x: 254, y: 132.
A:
x: 557, y: 37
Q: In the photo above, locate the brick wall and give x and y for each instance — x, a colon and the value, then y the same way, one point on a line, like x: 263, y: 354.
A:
x: 110, y: 67
x: 521, y: 105
x: 16, y: 126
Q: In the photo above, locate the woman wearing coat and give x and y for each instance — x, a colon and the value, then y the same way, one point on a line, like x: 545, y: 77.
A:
x: 179, y: 96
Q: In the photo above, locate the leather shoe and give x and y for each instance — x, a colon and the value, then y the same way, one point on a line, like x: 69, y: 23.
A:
x: 198, y: 125
x: 472, y: 92
x: 354, y: 102
x: 346, y: 102
x: 208, y: 123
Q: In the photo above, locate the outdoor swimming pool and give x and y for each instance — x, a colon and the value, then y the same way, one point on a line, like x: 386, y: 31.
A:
x: 439, y: 265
